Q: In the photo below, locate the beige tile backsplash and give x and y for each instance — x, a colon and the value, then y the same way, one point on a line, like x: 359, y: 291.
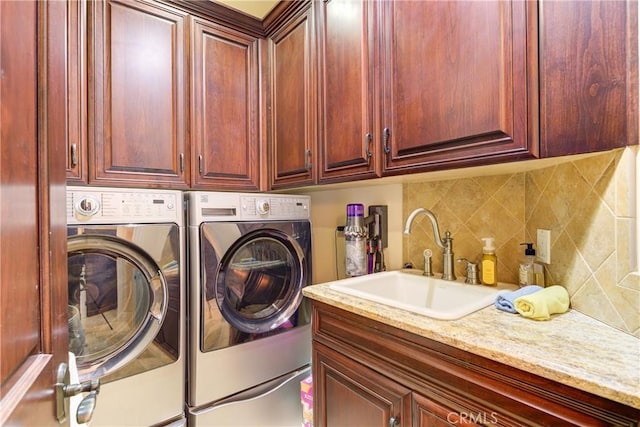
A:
x: 588, y: 204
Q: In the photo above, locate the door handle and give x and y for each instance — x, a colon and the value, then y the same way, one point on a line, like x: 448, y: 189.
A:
x: 368, y: 138
x: 64, y: 390
x: 386, y: 134
x: 74, y: 155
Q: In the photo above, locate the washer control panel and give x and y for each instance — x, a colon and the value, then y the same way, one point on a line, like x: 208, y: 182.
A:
x: 121, y: 205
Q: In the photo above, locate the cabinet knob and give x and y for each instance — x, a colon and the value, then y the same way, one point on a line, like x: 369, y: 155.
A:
x: 394, y: 422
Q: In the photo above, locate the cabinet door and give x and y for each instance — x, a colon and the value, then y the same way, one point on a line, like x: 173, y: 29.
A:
x: 346, y: 74
x: 350, y: 394
x: 33, y: 278
x: 76, y: 112
x: 292, y: 132
x: 454, y: 83
x: 224, y: 109
x: 588, y: 76
x: 137, y: 94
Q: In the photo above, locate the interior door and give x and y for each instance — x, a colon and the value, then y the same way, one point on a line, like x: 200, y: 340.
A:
x: 33, y: 317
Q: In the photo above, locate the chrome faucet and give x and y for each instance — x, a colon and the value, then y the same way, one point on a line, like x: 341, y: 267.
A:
x: 446, y: 244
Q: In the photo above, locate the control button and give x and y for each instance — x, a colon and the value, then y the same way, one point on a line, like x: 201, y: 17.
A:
x: 263, y: 207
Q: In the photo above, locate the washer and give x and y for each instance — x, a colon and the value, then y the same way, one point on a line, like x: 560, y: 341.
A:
x: 126, y: 257
x: 250, y: 334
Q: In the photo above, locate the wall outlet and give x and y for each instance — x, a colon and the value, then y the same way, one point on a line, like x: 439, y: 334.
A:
x: 543, y: 246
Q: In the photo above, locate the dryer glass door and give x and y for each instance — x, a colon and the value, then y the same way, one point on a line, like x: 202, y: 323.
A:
x: 257, y: 288
x: 118, y: 301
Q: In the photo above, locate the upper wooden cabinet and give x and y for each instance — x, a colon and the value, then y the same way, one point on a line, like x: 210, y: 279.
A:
x: 454, y: 83
x: 137, y: 93
x: 224, y: 109
x: 76, y: 100
x: 348, y: 144
x: 588, y: 76
x: 292, y: 122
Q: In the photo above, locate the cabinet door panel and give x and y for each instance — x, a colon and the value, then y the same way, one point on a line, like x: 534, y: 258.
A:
x: 224, y: 109
x: 292, y: 140
x: 353, y: 395
x: 347, y: 147
x: 138, y: 93
x: 76, y: 112
x: 588, y: 77
x: 455, y: 82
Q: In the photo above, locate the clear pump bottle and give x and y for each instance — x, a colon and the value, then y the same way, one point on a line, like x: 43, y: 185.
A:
x: 355, y: 236
x: 530, y: 272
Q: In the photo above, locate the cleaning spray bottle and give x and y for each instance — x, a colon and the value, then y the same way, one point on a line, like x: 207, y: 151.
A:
x: 489, y: 263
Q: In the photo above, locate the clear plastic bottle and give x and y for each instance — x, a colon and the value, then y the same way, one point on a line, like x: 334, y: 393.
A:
x: 355, y: 236
x: 530, y: 272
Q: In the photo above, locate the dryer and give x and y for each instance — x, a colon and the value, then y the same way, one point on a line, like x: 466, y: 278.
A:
x: 126, y: 255
x: 250, y: 340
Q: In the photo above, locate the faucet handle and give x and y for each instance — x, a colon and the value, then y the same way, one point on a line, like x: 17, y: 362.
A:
x: 471, y: 272
x: 427, y: 262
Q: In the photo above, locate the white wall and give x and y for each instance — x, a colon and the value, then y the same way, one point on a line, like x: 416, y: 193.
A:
x: 329, y: 210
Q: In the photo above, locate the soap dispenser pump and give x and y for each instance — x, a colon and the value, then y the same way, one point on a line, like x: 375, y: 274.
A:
x: 489, y: 263
x: 530, y: 272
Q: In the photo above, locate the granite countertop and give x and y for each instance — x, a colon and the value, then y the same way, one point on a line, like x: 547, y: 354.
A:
x: 570, y: 348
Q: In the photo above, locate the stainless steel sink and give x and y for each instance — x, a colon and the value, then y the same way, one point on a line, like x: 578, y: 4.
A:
x: 436, y: 298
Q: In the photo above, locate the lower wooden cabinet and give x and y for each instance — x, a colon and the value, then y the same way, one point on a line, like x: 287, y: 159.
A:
x: 356, y: 395
x: 370, y: 374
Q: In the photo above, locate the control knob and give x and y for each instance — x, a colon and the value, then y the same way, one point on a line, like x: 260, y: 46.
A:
x: 87, y: 206
x: 262, y: 206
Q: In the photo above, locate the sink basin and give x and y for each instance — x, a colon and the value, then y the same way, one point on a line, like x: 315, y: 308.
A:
x: 436, y: 298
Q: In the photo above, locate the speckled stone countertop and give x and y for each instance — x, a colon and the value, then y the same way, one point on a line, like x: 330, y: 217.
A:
x: 570, y: 348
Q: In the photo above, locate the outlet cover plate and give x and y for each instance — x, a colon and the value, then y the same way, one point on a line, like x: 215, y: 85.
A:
x: 543, y: 246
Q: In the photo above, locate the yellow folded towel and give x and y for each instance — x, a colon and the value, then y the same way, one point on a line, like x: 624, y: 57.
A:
x: 542, y: 304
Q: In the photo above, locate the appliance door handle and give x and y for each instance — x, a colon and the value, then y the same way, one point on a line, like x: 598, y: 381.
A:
x: 256, y: 392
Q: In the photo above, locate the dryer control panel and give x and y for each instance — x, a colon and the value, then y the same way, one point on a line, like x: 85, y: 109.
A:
x: 281, y: 207
x: 205, y: 206
x: 110, y: 205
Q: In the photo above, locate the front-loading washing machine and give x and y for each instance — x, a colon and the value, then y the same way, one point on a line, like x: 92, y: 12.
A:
x: 249, y: 341
x: 126, y: 257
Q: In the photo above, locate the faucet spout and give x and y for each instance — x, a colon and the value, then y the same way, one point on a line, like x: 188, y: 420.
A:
x: 446, y: 244
x: 434, y: 224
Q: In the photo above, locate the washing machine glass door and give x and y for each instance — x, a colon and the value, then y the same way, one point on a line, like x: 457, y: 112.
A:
x: 259, y: 281
x: 117, y: 302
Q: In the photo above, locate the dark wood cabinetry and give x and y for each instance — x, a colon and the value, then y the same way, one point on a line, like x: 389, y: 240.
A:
x: 355, y: 395
x: 224, y: 109
x: 588, y: 76
x: 363, y: 368
x: 455, y: 80
x: 77, y: 164
x: 33, y: 285
x: 137, y: 94
x: 292, y: 88
x: 348, y: 144
x: 178, y: 94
